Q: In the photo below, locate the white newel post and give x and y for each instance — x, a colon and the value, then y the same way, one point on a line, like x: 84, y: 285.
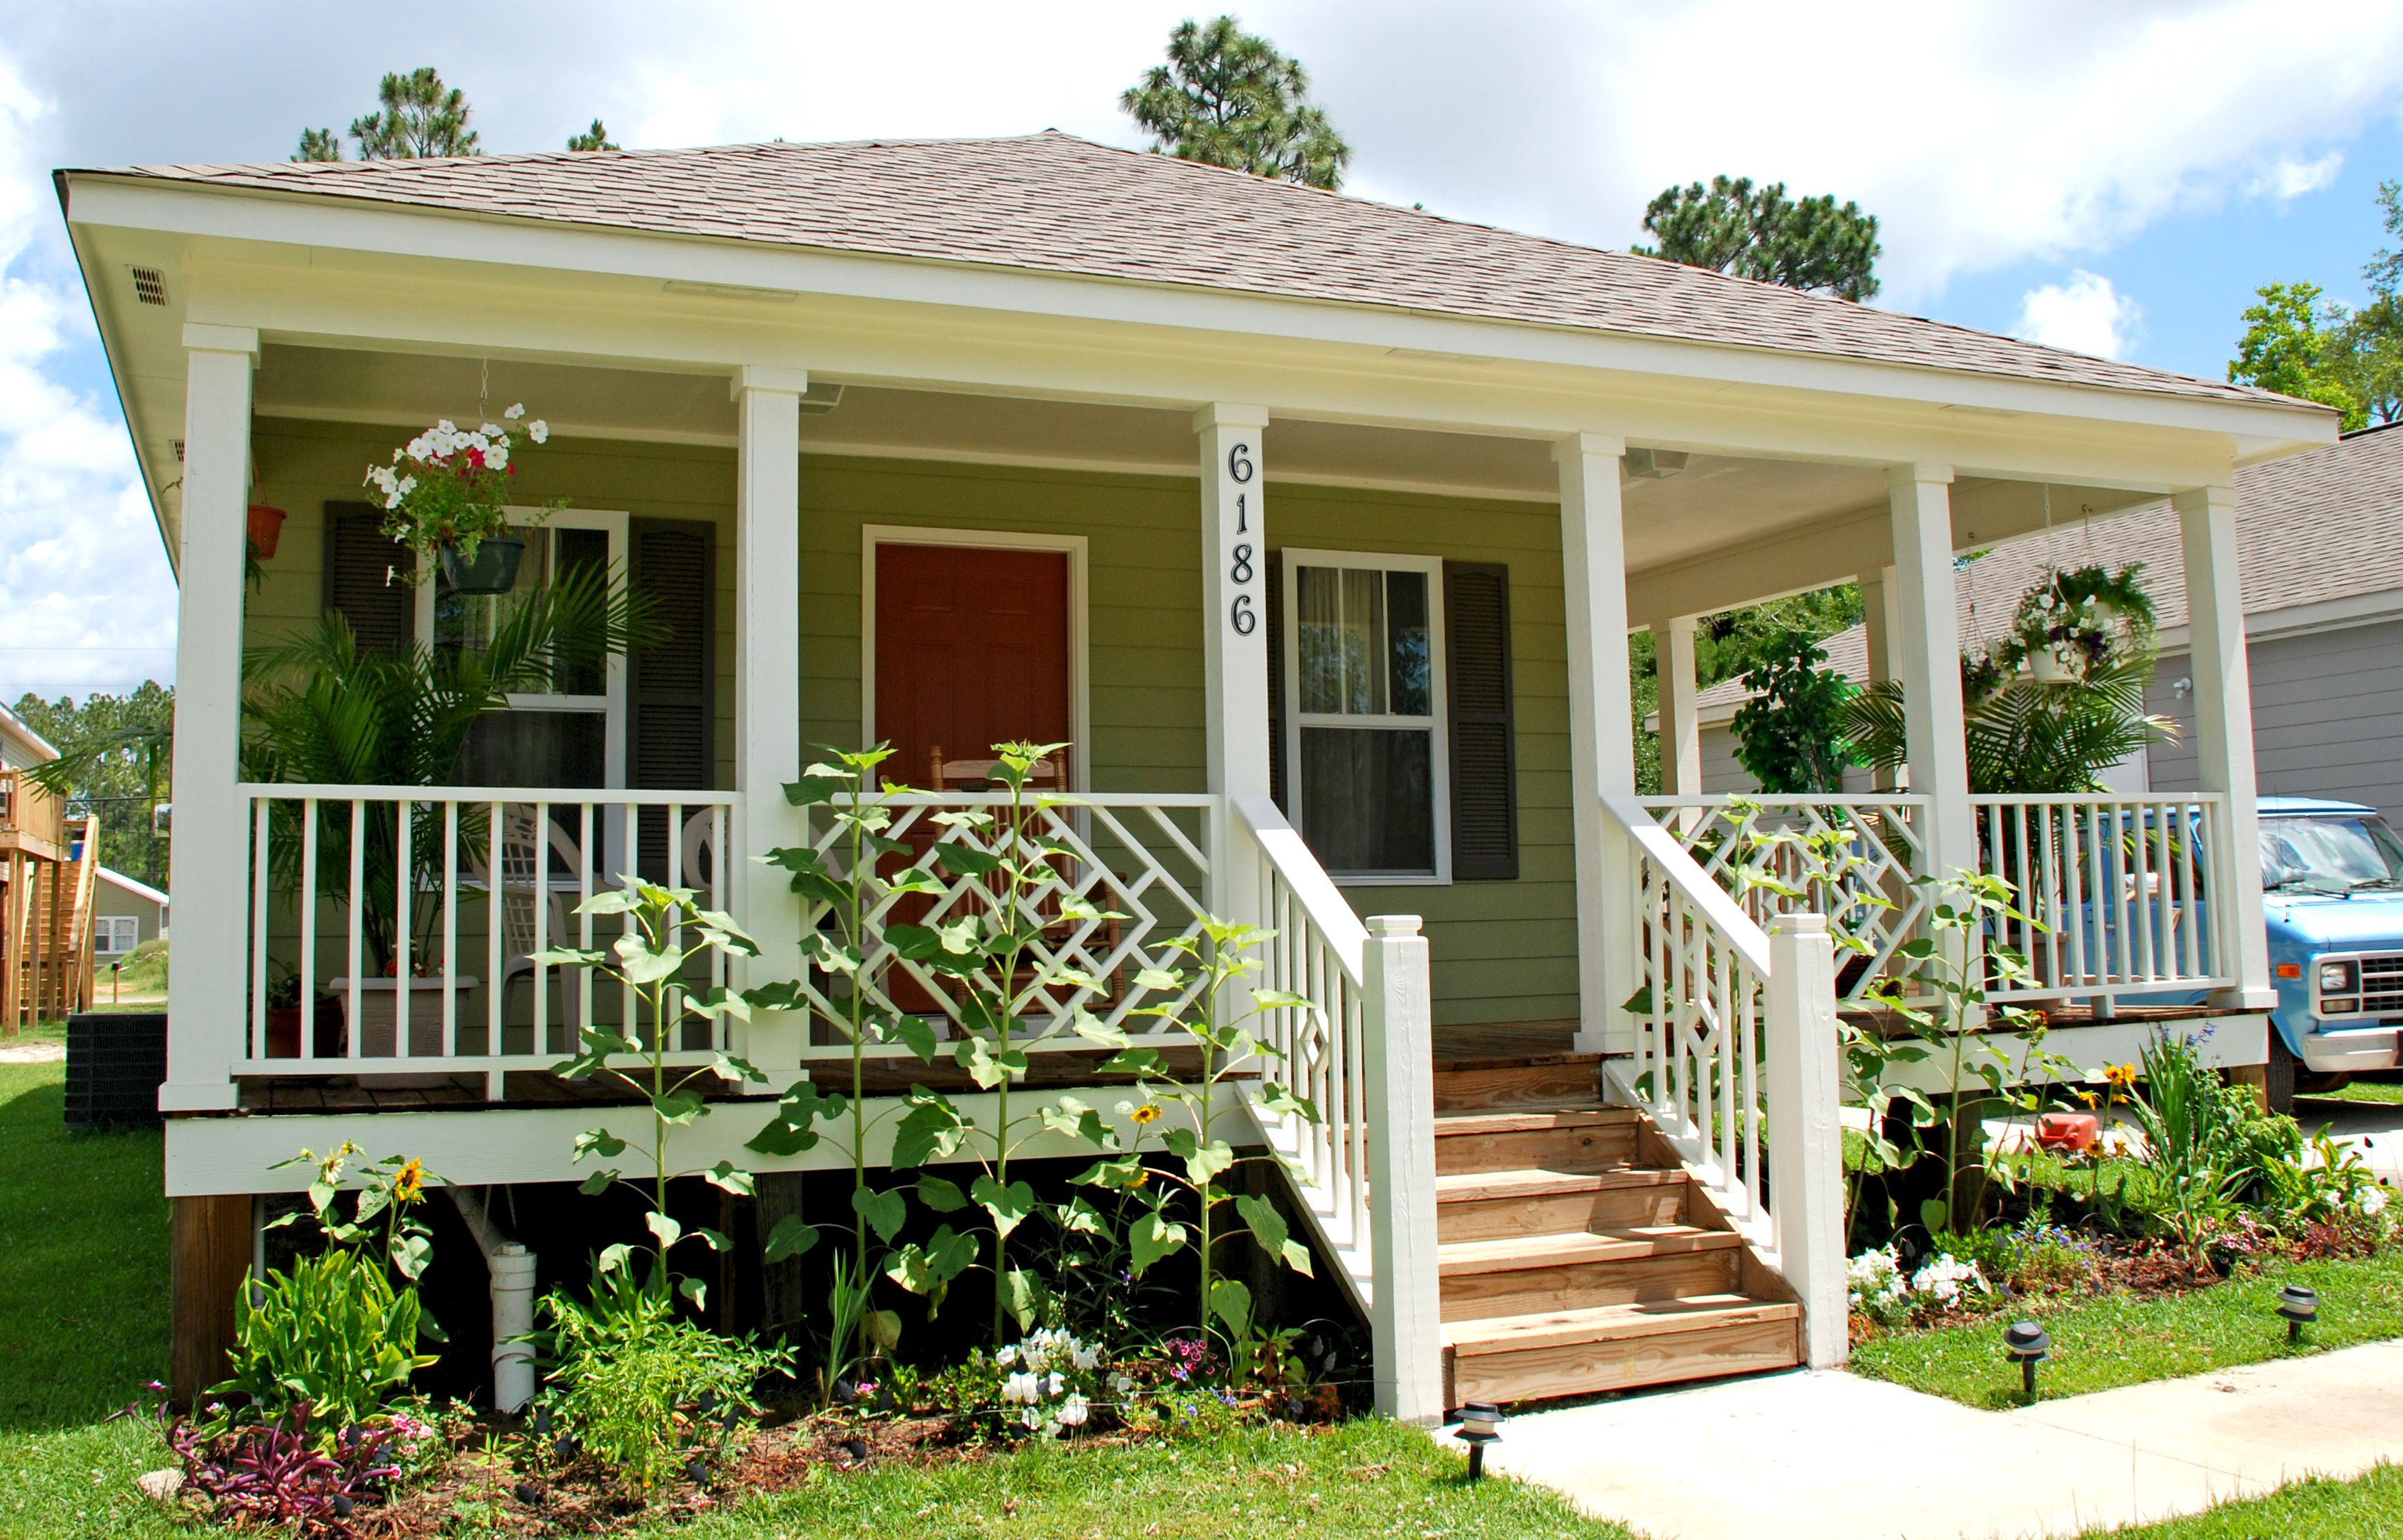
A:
x: 1602, y: 732
x: 1806, y: 1164
x: 1927, y: 658
x: 209, y: 858
x: 768, y: 691
x: 1681, y: 734
x: 2223, y: 733
x: 1234, y: 636
x: 1406, y: 1312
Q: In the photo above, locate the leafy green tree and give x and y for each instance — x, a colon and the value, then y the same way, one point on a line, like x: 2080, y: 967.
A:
x: 114, y: 751
x: 1227, y: 98
x: 2369, y: 358
x: 1812, y: 244
x: 2292, y: 345
x: 1790, y: 735
x: 420, y: 116
x: 594, y: 138
x: 2385, y: 270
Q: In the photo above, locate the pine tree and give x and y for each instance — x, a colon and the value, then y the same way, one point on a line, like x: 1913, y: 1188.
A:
x: 594, y: 138
x: 1814, y: 243
x: 1227, y: 98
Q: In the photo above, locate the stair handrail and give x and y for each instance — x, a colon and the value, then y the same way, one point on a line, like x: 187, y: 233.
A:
x: 1762, y: 1020
x: 1363, y: 1053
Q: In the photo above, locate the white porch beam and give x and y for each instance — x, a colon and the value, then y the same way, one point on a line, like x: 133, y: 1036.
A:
x: 1881, y: 620
x: 1681, y: 731
x: 211, y: 850
x: 767, y: 688
x: 1927, y: 653
x: 1602, y: 730
x: 2223, y: 728
x: 1234, y: 598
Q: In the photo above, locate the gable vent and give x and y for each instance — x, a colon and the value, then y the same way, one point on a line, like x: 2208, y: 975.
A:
x: 150, y: 286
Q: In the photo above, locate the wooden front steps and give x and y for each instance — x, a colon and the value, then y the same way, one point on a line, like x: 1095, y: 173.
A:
x: 1576, y: 1255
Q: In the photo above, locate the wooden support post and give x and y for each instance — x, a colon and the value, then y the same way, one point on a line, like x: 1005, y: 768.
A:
x: 2223, y: 736
x: 1602, y: 732
x: 1405, y: 1304
x: 1806, y: 1171
x: 1929, y: 665
x: 11, y: 959
x: 1234, y: 637
x: 209, y: 1240
x: 1681, y: 734
x: 1881, y: 606
x: 784, y: 1298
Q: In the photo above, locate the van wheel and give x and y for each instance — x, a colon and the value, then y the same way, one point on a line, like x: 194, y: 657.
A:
x: 2278, y: 1085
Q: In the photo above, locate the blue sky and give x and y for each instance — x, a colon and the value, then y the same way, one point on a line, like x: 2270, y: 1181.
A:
x: 2116, y: 178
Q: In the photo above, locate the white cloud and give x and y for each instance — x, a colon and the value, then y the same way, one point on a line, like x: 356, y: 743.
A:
x: 2084, y: 316
x: 2290, y: 179
x: 85, y: 598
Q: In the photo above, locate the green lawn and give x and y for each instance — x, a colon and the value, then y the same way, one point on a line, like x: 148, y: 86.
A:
x: 2360, y: 1509
x: 2384, y: 1092
x: 83, y: 1324
x: 2118, y: 1340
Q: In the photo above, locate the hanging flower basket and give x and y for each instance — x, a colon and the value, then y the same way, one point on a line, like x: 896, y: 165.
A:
x: 493, y: 569
x: 265, y: 527
x: 446, y: 496
x: 2051, y: 668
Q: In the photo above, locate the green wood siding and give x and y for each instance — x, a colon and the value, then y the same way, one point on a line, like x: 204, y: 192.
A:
x: 1502, y: 951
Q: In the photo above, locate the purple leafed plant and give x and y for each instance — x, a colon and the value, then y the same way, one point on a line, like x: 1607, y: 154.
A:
x: 283, y: 1474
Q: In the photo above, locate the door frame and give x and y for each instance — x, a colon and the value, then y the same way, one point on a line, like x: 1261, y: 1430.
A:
x: 1079, y: 637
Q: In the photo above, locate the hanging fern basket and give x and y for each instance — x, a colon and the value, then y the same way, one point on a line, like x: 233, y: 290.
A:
x: 493, y: 569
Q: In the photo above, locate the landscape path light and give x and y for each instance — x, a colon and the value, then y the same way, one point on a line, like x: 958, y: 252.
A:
x: 2300, y: 1306
x: 2026, y: 1344
x: 1481, y: 1424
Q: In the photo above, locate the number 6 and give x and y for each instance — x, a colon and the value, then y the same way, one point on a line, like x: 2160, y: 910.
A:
x: 1242, y: 617
x: 1239, y: 463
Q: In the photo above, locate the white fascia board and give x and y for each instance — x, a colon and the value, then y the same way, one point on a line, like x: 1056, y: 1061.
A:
x: 2255, y: 429
x: 138, y: 889
x: 2354, y: 609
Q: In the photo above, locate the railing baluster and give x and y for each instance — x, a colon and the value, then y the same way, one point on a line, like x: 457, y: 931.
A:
x: 260, y: 876
x: 496, y: 921
x: 403, y: 920
x: 308, y: 927
x: 358, y: 889
x: 451, y: 928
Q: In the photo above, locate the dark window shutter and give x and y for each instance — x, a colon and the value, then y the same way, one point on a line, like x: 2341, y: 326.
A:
x: 1272, y: 575
x: 671, y: 688
x: 1476, y: 675
x: 363, y: 582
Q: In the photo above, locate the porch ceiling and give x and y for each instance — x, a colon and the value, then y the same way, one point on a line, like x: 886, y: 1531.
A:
x: 1723, y: 531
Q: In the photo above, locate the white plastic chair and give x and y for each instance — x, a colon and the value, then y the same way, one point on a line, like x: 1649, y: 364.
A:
x: 525, y: 862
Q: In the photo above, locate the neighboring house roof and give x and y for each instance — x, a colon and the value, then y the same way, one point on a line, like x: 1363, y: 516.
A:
x: 1052, y: 202
x: 139, y: 890
x: 2317, y: 529
x: 24, y: 746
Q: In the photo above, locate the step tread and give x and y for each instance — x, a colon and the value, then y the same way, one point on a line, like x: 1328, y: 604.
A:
x: 1537, y: 1119
x: 1569, y: 1248
x: 1511, y: 1061
x: 1613, y: 1323
x: 1490, y: 1185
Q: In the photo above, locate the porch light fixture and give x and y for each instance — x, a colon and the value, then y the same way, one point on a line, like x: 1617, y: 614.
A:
x: 1655, y: 465
x: 1481, y: 1424
x: 2026, y: 1344
x: 2300, y: 1306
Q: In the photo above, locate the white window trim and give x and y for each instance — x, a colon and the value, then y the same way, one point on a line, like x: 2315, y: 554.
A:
x: 1438, y: 700
x: 112, y: 922
x: 612, y: 703
x: 1079, y: 645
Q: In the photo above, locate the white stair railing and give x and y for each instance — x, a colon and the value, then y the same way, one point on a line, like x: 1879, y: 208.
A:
x: 1720, y: 1007
x: 1363, y: 1053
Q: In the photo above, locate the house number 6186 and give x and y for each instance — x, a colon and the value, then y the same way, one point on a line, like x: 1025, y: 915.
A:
x: 1241, y: 614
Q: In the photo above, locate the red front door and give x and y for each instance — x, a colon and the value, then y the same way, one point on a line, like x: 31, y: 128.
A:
x: 971, y: 650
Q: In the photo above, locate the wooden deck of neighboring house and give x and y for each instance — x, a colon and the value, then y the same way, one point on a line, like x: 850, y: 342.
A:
x: 49, y: 863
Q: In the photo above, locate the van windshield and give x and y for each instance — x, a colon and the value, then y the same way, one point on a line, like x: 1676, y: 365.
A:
x: 2337, y: 853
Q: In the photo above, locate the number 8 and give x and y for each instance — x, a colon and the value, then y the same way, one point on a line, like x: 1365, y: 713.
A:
x: 1242, y: 568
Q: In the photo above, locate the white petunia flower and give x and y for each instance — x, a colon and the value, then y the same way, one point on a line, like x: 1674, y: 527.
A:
x: 1054, y: 1383
x: 1005, y: 1357
x: 515, y: 412
x: 1074, y: 1411
x: 1018, y: 1390
x: 1030, y: 1420
x: 539, y: 431
x: 1085, y: 1359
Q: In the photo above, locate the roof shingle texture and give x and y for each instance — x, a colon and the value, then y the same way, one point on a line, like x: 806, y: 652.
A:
x: 1055, y: 203
x: 2322, y: 525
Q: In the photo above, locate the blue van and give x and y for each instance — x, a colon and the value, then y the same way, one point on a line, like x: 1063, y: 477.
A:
x: 2332, y: 892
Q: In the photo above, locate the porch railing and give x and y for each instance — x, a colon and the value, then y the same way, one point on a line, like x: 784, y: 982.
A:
x: 27, y: 809
x: 390, y: 927
x: 1735, y: 1025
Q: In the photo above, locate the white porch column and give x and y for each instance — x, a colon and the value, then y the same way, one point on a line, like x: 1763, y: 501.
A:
x: 1235, y: 635
x: 1880, y: 604
x: 1927, y: 658
x: 768, y: 690
x: 209, y: 860
x: 1602, y: 730
x: 1681, y: 735
x: 2223, y: 731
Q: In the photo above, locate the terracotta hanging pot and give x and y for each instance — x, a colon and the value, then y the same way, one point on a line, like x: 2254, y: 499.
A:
x: 265, y: 526
x: 495, y: 569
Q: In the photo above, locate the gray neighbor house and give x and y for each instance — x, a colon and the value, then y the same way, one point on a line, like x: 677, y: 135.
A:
x: 2320, y: 550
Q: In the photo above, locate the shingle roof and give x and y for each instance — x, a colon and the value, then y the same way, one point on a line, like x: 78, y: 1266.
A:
x: 1052, y: 202
x: 2322, y: 525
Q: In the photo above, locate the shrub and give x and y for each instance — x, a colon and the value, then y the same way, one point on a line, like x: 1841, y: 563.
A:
x: 330, y: 1339
x: 639, y: 1389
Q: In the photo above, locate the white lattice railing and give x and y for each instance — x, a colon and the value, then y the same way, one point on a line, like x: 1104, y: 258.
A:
x: 404, y: 924
x: 1318, y: 950
x: 1858, y: 870
x: 1140, y: 858
x: 2122, y: 886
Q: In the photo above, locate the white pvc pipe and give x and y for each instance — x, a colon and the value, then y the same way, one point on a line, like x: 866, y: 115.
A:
x: 511, y: 1266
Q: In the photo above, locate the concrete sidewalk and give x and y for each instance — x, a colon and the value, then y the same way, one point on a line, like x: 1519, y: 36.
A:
x: 1810, y: 1456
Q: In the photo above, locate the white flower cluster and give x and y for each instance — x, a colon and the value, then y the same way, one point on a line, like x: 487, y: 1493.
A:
x: 1875, y: 1283
x: 1049, y: 1374
x: 1944, y: 1280
x: 1878, y: 1286
x: 439, y: 446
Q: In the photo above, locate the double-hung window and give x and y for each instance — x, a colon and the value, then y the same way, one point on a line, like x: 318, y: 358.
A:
x: 1366, y: 760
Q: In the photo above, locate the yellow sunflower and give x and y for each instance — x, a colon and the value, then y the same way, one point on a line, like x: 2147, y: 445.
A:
x: 409, y: 1185
x: 1147, y: 1113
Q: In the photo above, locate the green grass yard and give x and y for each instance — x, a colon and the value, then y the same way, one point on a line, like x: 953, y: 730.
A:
x: 83, y: 1324
x: 2120, y: 1339
x: 2366, y: 1506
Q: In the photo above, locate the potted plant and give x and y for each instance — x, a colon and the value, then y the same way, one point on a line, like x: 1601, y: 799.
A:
x: 264, y: 525
x: 444, y: 497
x: 2079, y: 621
